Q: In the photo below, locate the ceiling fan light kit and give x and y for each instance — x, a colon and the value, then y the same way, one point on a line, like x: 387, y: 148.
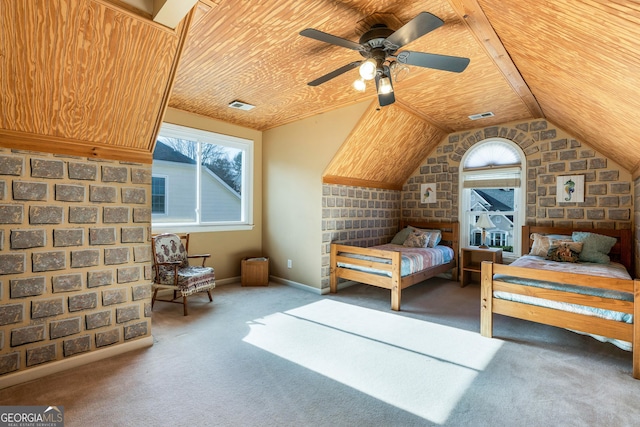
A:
x: 399, y: 71
x: 368, y: 69
x: 384, y: 86
x: 360, y: 85
x: 379, y: 46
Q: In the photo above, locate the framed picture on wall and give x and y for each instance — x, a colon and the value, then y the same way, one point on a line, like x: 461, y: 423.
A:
x: 428, y: 193
x: 570, y: 189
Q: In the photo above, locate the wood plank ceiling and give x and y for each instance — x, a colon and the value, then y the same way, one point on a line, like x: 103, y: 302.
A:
x: 98, y: 79
x: 252, y: 52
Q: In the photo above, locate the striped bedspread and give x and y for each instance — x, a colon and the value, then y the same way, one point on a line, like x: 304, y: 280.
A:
x: 613, y: 270
x: 413, y: 259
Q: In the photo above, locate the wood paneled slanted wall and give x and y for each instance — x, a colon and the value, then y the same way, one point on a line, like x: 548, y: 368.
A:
x: 83, y: 77
x: 383, y: 150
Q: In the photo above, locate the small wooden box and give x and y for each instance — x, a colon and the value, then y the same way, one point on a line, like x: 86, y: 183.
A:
x: 255, y: 271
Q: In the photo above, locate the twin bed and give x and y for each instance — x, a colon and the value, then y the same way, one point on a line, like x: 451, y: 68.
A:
x: 595, y: 299
x: 394, y: 266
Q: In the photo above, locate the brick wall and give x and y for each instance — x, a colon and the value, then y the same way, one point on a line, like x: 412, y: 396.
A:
x: 550, y: 152
x: 356, y: 216
x: 75, y: 258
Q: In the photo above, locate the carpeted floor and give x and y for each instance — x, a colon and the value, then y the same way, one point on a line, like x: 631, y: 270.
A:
x: 280, y: 356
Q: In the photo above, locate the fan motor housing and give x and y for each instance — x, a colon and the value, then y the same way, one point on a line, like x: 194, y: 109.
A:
x: 375, y: 37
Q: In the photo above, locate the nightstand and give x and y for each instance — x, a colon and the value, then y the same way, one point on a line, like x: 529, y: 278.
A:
x: 471, y: 259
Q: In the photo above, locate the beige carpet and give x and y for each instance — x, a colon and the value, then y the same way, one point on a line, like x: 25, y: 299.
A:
x: 279, y: 356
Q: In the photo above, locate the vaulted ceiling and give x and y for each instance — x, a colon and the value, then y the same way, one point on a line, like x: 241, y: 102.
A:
x: 252, y: 52
x: 93, y: 77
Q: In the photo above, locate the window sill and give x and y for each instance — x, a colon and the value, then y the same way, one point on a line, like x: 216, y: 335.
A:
x: 157, y: 229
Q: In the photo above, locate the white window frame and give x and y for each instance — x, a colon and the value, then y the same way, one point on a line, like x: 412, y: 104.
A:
x: 166, y: 196
x: 519, y: 212
x: 197, y: 135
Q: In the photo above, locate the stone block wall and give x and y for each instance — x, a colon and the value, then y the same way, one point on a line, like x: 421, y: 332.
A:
x: 75, y: 258
x: 356, y: 216
x: 550, y: 152
x: 636, y: 219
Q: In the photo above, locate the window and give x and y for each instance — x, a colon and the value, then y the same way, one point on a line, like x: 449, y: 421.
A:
x: 201, y: 179
x: 158, y: 195
x: 491, y: 182
x: 498, y: 238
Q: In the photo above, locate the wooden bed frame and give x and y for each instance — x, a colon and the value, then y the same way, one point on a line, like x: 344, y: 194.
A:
x: 621, y: 252
x: 395, y: 283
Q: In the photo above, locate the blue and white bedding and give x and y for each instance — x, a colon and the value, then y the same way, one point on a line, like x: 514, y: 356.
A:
x: 613, y: 270
x: 413, y: 259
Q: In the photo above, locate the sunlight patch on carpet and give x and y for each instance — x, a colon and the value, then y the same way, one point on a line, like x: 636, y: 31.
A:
x: 421, y: 367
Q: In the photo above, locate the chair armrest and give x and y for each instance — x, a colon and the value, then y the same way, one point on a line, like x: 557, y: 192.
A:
x: 174, y: 264
x: 203, y: 256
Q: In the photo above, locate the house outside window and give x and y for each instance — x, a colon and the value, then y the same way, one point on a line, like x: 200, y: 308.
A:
x: 491, y: 182
x: 159, y: 195
x: 204, y: 180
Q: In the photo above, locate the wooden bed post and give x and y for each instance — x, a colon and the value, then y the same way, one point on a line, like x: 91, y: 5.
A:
x: 396, y: 285
x: 333, y: 280
x: 486, y: 299
x: 635, y: 345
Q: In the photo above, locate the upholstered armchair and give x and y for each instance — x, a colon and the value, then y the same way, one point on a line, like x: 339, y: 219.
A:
x: 173, y: 272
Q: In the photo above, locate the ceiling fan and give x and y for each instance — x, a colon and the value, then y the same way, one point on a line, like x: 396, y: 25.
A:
x: 379, y: 46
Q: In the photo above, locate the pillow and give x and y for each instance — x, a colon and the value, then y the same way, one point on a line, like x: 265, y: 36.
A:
x: 401, y: 236
x: 436, y: 235
x: 541, y: 243
x: 417, y: 239
x: 595, y: 248
x: 564, y: 251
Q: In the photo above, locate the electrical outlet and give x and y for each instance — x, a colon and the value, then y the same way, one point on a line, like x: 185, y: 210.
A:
x: 289, y: 263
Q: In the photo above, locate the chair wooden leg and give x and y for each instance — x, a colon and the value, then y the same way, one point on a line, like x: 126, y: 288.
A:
x: 184, y: 302
x: 209, y: 293
x: 155, y: 295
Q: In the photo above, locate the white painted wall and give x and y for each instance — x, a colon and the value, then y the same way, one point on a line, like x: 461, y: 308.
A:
x: 295, y: 156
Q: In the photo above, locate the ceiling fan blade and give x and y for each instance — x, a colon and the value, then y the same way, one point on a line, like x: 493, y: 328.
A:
x: 454, y: 64
x: 417, y: 27
x: 328, y: 38
x: 334, y: 73
x: 385, y: 99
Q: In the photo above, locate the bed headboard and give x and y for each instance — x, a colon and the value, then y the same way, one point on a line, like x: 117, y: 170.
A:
x: 621, y: 252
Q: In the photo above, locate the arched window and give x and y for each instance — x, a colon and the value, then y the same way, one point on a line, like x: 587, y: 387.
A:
x: 491, y: 180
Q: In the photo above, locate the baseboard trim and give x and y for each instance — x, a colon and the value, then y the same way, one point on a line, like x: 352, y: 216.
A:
x: 73, y: 362
x: 229, y: 281
x: 323, y: 291
x: 298, y: 285
x: 237, y: 280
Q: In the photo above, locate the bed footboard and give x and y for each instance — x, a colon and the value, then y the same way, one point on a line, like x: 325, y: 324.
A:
x: 584, y: 323
x: 391, y: 277
x: 393, y: 266
x: 392, y: 283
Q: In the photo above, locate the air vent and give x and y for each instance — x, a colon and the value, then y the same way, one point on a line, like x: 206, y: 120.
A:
x: 239, y: 105
x: 481, y: 115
